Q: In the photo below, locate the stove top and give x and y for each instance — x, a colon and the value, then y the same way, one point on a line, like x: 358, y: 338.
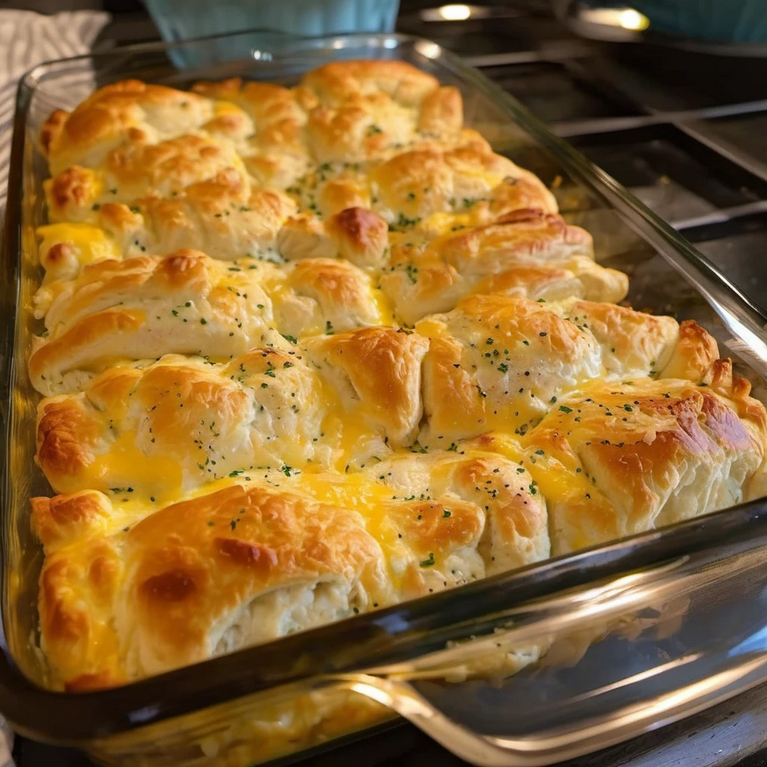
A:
x: 687, y: 134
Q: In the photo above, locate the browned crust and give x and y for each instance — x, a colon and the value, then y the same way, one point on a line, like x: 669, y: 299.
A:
x: 341, y: 80
x: 695, y: 353
x: 72, y: 187
x: 88, y: 332
x: 384, y: 368
x: 52, y: 128
x: 362, y: 236
x: 337, y: 283
x: 65, y: 437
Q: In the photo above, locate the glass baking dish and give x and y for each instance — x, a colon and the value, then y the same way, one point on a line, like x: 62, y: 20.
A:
x: 525, y: 668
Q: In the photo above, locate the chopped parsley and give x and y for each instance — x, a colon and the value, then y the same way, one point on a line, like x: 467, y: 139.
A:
x: 403, y: 222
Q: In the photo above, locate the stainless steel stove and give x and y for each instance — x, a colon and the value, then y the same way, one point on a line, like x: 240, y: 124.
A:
x: 686, y: 132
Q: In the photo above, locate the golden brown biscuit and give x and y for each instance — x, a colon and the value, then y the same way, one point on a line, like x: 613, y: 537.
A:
x: 516, y: 531
x: 617, y: 459
x: 328, y: 296
x: 259, y: 559
x: 159, y: 169
x: 140, y: 170
x: 220, y: 216
x: 415, y: 185
x: 376, y: 373
x: 181, y: 422
x: 431, y: 276
x: 338, y: 81
x: 142, y: 308
x: 266, y: 123
x: 355, y: 234
x: 501, y: 362
x: 365, y: 108
x: 267, y: 104
x: 126, y: 111
x: 187, y: 303
x: 575, y: 277
x: 203, y: 577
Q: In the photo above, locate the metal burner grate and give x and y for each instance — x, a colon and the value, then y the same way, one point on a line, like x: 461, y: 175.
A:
x: 685, y: 132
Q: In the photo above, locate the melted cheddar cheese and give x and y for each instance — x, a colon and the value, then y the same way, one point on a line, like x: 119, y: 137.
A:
x: 90, y: 242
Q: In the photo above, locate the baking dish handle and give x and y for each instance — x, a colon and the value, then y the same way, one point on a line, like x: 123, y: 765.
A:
x: 583, y: 670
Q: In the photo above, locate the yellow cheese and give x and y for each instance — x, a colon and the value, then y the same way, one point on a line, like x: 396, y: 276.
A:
x: 508, y: 446
x: 444, y: 224
x: 384, y: 308
x: 557, y: 481
x: 90, y: 242
x: 368, y: 498
x: 350, y: 491
x: 125, y: 463
x: 431, y: 328
x: 344, y: 430
x: 555, y: 475
x: 513, y: 413
x: 221, y: 108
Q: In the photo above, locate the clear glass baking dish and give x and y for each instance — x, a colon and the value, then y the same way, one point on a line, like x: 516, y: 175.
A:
x: 606, y: 643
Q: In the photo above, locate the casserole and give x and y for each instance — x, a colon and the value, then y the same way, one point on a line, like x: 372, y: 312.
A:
x: 486, y: 606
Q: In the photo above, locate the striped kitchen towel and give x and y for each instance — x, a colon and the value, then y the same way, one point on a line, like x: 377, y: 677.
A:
x: 6, y: 745
x: 26, y: 39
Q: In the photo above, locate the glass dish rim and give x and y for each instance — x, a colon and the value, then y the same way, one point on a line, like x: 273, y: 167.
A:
x: 68, y: 717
